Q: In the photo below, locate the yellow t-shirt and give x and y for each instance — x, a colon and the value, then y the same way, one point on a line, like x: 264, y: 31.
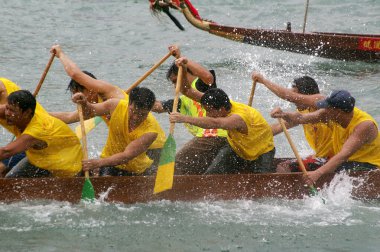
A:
x: 119, y: 137
x: 161, y: 138
x: 368, y: 153
x: 63, y: 154
x: 12, y: 87
x: 319, y: 137
x: 259, y: 139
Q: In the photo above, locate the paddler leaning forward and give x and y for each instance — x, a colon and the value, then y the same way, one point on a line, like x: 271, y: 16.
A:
x: 355, y: 134
x: 6, y: 88
x: 131, y: 133
x: 250, y: 146
x: 52, y: 148
x: 97, y: 91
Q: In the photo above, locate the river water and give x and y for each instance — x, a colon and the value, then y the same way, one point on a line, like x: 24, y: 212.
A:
x: 119, y: 41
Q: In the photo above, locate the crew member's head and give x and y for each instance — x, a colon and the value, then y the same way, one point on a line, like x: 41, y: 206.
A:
x: 75, y: 87
x: 216, y: 103
x: 339, y: 101
x: 141, y: 101
x: 305, y: 85
x: 20, y: 107
x: 172, y: 74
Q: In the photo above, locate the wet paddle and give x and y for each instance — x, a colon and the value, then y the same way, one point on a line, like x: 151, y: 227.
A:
x: 90, y: 124
x: 165, y: 171
x: 252, y: 93
x: 88, y: 192
x: 313, y: 190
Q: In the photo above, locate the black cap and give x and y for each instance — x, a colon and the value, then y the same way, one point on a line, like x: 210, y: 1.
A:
x: 339, y: 99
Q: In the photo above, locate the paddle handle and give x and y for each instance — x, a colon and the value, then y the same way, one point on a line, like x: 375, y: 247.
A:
x: 35, y: 93
x: 305, y: 16
x: 252, y: 93
x: 292, y: 145
x: 313, y: 190
x: 84, y: 138
x: 39, y: 85
x: 176, y: 97
x: 148, y: 73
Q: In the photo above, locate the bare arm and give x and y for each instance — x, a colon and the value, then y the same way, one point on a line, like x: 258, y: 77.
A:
x: 364, y: 133
x: 3, y: 93
x: 133, y: 149
x: 101, y: 87
x: 277, y: 129
x: 288, y: 94
x: 2, y: 111
x: 158, y: 108
x: 295, y: 118
x: 186, y: 86
x: 99, y: 109
x: 66, y: 117
x: 197, y: 69
x: 22, y: 143
x: 227, y: 123
x: 201, y: 72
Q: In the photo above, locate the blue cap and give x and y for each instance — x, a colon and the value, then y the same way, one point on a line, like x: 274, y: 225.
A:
x: 339, y: 99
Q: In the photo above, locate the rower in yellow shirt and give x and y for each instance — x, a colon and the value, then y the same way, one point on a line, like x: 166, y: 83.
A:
x: 7, y: 87
x: 355, y: 134
x: 51, y: 147
x: 97, y: 91
x: 250, y: 146
x: 305, y: 94
x: 131, y: 132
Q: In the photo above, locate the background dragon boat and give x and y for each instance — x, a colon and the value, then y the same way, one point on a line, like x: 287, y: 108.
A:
x: 340, y: 46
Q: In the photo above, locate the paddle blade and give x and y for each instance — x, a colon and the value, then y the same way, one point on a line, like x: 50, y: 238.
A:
x: 89, y: 125
x: 88, y: 192
x: 314, y: 192
x: 165, y: 171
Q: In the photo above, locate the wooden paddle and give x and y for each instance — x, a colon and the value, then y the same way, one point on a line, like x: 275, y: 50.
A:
x: 37, y: 90
x: 90, y: 124
x: 148, y: 73
x: 88, y: 192
x: 165, y: 171
x: 252, y: 93
x: 42, y: 79
x: 313, y: 190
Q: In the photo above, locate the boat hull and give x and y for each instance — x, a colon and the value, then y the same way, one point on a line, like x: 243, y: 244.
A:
x: 341, y: 46
x: 139, y: 189
x: 328, y: 45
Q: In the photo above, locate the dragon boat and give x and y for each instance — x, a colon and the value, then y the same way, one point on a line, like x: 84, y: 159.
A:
x: 340, y: 46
